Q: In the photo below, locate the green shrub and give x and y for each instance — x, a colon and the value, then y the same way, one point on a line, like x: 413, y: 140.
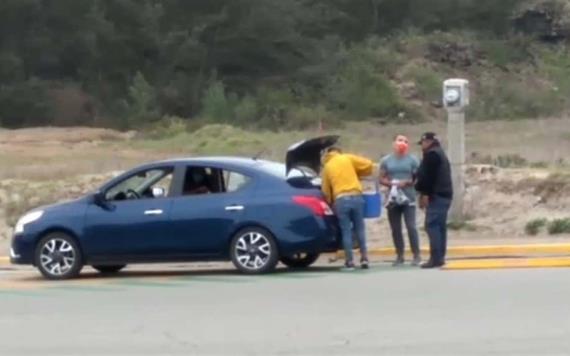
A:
x: 216, y: 105
x: 25, y: 104
x: 514, y: 99
x: 533, y: 227
x: 167, y: 127
x: 503, y: 53
x: 360, y: 87
x: 559, y: 226
x: 274, y: 106
x: 301, y: 118
x: 11, y: 67
x: 555, y: 65
x: 142, y: 104
x: 361, y: 93
x: 428, y: 82
x: 246, y: 110
x: 383, y: 53
x: 510, y: 161
x: 461, y: 225
x: 539, y: 164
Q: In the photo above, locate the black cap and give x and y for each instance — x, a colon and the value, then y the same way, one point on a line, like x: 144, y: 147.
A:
x: 428, y: 136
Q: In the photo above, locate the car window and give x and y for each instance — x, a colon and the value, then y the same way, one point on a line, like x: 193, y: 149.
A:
x: 280, y: 170
x: 234, y: 181
x: 200, y: 180
x: 140, y: 185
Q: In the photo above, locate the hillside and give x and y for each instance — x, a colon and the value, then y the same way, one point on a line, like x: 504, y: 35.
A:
x: 272, y: 64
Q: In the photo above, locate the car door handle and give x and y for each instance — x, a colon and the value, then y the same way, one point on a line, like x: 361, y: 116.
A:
x: 235, y: 208
x: 153, y: 212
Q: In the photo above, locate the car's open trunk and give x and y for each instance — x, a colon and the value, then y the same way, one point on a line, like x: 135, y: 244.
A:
x: 305, y: 157
x: 307, y: 153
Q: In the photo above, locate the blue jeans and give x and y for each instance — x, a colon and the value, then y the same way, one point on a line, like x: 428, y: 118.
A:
x: 436, y: 227
x: 350, y: 213
x: 408, y: 212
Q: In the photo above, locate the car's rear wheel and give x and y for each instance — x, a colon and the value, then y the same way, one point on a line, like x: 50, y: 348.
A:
x: 58, y: 256
x: 300, y: 260
x: 109, y: 269
x: 254, y: 251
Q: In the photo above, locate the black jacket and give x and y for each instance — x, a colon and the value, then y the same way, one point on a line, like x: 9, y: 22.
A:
x: 434, y: 174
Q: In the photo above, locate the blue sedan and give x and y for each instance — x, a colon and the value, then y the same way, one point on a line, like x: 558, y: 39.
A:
x: 252, y: 212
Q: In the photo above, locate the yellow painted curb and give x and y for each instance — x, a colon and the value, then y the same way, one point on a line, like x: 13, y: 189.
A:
x: 505, y: 250
x: 485, y: 250
x: 4, y: 260
x: 508, y: 263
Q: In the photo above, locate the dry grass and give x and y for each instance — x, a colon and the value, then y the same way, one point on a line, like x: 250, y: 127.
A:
x: 20, y: 196
x: 556, y: 185
x: 36, y: 154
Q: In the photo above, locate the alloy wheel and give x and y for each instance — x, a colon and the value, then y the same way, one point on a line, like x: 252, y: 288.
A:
x: 253, y: 250
x: 57, y: 257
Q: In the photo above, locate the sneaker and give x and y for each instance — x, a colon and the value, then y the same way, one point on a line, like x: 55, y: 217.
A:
x: 399, y: 261
x: 364, y: 264
x: 348, y: 267
x: 417, y: 261
x: 431, y: 265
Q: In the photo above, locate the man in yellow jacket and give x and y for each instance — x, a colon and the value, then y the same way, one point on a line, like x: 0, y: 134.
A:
x: 342, y: 189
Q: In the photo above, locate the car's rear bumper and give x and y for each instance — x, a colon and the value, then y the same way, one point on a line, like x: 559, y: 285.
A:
x: 319, y: 236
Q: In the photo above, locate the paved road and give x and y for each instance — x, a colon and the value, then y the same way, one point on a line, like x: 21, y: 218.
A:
x: 183, y: 311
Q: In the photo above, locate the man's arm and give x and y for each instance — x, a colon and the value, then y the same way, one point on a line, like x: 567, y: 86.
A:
x: 427, y: 173
x: 415, y: 168
x: 363, y: 166
x: 200, y: 190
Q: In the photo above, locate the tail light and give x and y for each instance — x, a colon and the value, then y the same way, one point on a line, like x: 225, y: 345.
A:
x: 318, y: 206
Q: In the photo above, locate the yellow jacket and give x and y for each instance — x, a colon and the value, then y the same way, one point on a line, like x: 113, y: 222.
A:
x: 341, y: 174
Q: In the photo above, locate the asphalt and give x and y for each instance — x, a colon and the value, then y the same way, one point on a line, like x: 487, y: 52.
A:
x: 204, y: 310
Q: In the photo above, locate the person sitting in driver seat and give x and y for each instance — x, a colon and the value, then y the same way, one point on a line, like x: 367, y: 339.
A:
x: 196, y: 182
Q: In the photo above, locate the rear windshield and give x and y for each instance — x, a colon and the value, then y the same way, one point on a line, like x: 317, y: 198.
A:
x: 280, y: 170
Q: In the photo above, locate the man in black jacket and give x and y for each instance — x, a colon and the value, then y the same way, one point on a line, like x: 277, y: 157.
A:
x: 436, y: 189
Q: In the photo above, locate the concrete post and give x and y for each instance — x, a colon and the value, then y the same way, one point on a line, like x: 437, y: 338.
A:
x: 456, y: 99
x: 456, y: 152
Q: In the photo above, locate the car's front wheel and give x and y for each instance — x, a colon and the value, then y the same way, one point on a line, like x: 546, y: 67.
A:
x: 300, y: 260
x: 58, y: 257
x: 109, y: 269
x: 254, y: 251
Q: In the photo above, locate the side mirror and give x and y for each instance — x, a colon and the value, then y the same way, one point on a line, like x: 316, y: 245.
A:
x: 158, y: 192
x: 99, y: 198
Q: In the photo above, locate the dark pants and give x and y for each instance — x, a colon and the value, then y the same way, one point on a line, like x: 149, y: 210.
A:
x: 436, y: 227
x: 350, y: 213
x: 395, y: 214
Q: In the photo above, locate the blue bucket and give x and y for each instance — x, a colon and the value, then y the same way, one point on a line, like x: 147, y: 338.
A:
x: 372, y: 199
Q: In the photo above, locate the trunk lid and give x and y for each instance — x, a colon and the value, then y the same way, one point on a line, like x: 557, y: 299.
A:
x: 307, y: 153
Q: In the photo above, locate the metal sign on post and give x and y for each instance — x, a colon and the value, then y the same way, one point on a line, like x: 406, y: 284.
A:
x: 456, y: 100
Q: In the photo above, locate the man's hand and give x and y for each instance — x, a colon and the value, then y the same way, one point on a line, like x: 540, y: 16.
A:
x: 424, y: 202
x: 404, y: 184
